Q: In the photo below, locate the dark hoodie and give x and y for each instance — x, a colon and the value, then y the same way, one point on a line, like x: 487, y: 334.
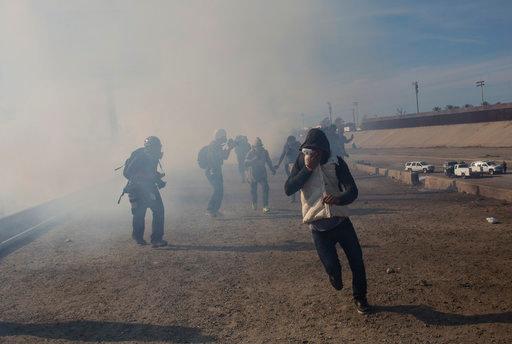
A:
x: 299, y: 175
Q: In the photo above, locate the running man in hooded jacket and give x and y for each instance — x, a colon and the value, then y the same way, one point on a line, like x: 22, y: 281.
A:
x: 326, y: 186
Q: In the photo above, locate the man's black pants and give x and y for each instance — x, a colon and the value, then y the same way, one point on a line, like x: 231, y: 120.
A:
x: 345, y: 235
x: 141, y: 201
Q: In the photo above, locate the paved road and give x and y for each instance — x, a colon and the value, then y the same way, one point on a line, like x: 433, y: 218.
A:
x: 396, y: 158
x: 255, y: 278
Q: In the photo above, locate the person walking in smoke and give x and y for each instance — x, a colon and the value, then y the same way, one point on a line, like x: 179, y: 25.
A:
x: 215, y: 154
x: 144, y: 182
x: 256, y: 162
x: 289, y: 155
x: 326, y: 186
x: 339, y: 125
x: 329, y: 129
x: 242, y: 147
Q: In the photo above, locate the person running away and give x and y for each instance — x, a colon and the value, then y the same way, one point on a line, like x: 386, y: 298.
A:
x: 256, y: 161
x: 144, y: 182
x: 289, y: 155
x: 327, y: 186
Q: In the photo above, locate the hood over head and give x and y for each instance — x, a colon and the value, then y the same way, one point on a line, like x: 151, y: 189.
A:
x: 220, y: 135
x: 316, y: 139
x: 258, y: 142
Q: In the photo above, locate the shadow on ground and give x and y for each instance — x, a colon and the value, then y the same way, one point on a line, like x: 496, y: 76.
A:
x: 98, y: 331
x: 288, y: 246
x: 430, y: 316
x: 276, y: 214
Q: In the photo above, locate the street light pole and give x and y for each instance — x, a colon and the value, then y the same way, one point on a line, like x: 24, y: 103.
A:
x: 330, y: 111
x: 415, y: 84
x: 481, y: 84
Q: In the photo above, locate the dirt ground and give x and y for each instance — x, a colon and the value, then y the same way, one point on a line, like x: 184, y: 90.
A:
x: 255, y: 278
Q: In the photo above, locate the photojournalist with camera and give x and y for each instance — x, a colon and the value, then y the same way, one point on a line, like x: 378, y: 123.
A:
x: 144, y: 182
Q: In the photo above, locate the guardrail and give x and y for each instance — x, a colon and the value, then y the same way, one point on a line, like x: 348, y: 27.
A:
x: 16, y: 227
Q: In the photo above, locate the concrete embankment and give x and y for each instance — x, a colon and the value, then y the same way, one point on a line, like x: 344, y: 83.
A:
x: 488, y: 134
x: 439, y: 183
x: 405, y: 177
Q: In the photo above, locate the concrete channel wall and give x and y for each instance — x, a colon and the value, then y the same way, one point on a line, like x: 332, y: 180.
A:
x: 410, y: 178
x: 439, y: 183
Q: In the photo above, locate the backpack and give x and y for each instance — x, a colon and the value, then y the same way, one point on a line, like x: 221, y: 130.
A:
x: 202, y: 158
x: 128, y: 162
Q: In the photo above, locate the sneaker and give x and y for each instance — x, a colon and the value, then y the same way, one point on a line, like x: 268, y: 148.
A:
x: 336, y: 282
x: 211, y: 213
x: 362, y: 306
x: 159, y: 243
x: 254, y: 206
x: 266, y: 210
x: 140, y: 242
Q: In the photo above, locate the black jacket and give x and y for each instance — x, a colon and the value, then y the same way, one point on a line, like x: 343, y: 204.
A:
x: 299, y: 175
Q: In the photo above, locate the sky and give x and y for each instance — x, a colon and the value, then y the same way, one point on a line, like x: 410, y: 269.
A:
x: 83, y: 82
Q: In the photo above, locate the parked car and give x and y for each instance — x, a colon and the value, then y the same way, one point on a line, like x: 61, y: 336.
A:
x: 419, y: 166
x: 448, y: 167
x: 464, y: 170
x: 487, y: 167
x: 497, y: 167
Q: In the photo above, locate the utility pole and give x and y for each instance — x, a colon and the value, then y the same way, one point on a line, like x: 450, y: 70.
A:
x: 330, y: 111
x: 415, y: 84
x: 481, y: 84
x: 354, y: 116
x: 355, y: 112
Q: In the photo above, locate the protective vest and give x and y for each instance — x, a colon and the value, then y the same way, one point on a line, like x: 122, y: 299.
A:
x: 322, y: 181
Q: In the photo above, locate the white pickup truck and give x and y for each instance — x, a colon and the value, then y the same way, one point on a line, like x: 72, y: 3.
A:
x: 464, y: 170
x: 487, y: 167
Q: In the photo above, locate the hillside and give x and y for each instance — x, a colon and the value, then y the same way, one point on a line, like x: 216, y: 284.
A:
x: 488, y: 134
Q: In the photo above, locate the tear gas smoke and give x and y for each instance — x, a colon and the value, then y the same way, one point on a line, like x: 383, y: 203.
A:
x: 82, y: 83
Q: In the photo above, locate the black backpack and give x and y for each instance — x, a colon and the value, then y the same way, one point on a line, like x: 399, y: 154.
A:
x: 202, y: 158
x: 128, y: 162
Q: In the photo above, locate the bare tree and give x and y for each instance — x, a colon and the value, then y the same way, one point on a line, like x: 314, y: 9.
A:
x: 400, y: 111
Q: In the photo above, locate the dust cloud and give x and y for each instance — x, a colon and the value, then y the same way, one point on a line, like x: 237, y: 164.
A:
x: 82, y: 83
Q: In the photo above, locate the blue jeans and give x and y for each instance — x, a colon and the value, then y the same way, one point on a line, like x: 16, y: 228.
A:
x: 345, y: 235
x: 217, y: 182
x: 264, y: 190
